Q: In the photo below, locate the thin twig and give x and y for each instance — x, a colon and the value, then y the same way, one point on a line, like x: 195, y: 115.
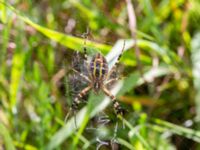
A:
x: 133, y: 28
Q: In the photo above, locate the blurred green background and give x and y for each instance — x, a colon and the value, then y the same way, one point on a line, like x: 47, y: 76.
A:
x: 160, y: 88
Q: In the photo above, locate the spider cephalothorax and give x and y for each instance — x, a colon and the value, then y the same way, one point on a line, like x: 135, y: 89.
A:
x: 98, y: 78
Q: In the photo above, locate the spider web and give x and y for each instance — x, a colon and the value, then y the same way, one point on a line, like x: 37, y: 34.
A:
x: 76, y: 82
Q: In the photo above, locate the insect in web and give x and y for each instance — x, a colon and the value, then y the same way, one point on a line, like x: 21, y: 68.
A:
x: 98, y: 78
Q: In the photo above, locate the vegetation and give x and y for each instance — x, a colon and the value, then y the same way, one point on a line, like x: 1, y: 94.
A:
x: 160, y: 70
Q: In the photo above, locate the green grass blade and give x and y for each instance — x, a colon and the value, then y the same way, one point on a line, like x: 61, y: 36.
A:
x: 84, y: 10
x: 195, y: 57
x: 69, y: 41
x: 3, y: 12
x: 166, y: 55
x: 137, y: 134
x: 125, y: 143
x: 7, y: 20
x: 16, y: 74
x: 81, y: 129
x: 4, y: 133
x: 162, y: 126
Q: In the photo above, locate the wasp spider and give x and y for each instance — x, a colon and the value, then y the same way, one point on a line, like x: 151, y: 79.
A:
x: 98, y: 79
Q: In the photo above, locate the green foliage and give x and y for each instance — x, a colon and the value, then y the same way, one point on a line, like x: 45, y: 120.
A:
x: 161, y: 81
x: 6, y: 137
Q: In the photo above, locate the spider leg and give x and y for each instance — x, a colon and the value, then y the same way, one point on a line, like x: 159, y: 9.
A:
x: 113, y: 68
x: 110, y: 72
x: 112, y: 80
x: 118, y: 109
x: 81, y: 75
x: 85, y: 36
x: 77, y: 100
x: 85, y: 51
x: 120, y: 55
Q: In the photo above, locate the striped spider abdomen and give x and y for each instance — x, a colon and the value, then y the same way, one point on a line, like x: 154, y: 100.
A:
x: 98, y: 70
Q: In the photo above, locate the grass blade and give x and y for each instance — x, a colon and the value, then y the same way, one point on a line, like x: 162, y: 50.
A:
x: 6, y: 137
x: 125, y: 143
x: 162, y: 126
x: 195, y: 57
x: 137, y: 134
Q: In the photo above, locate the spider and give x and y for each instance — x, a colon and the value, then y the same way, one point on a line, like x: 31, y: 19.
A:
x: 98, y: 79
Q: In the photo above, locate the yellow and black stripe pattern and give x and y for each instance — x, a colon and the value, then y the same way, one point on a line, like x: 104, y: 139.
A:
x: 77, y: 100
x: 118, y: 109
x: 98, y: 67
